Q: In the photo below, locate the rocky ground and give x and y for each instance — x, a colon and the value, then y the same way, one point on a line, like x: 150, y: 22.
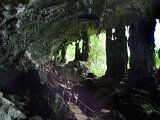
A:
x: 37, y: 98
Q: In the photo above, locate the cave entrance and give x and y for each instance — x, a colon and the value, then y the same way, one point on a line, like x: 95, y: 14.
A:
x: 97, y: 54
x: 97, y: 58
x: 70, y: 54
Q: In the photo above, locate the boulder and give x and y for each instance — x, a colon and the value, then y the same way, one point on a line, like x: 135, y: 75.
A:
x: 8, y: 110
x: 76, y: 70
x: 62, y: 110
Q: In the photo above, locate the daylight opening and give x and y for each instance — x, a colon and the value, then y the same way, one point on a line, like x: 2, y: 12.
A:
x: 157, y: 34
x: 128, y: 50
x: 70, y: 54
x: 157, y: 43
x: 97, y: 58
x: 113, y: 31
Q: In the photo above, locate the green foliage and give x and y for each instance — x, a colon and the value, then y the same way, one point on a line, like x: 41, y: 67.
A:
x: 97, y: 58
x: 157, y: 57
x: 144, y: 107
x: 148, y: 108
x: 158, y: 52
x: 70, y: 54
x: 97, y: 55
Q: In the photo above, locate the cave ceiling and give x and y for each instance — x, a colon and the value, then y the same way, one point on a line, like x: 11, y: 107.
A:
x: 42, y: 27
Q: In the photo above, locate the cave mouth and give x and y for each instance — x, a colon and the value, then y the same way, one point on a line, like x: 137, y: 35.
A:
x: 97, y: 55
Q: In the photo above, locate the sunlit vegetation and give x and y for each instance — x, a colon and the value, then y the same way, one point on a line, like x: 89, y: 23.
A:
x: 157, y: 43
x: 98, y: 56
x: 157, y: 57
x: 70, y: 54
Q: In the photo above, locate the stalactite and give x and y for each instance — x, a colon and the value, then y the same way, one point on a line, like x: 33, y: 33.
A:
x: 85, y: 47
x: 116, y: 52
x: 63, y: 54
x: 141, y: 44
x: 83, y: 54
x: 77, y: 51
x: 109, y: 52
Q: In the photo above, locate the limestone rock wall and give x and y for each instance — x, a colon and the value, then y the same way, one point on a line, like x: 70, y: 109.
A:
x: 8, y: 110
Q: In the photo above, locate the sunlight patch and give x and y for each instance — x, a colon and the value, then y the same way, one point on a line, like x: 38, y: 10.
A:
x: 157, y: 34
